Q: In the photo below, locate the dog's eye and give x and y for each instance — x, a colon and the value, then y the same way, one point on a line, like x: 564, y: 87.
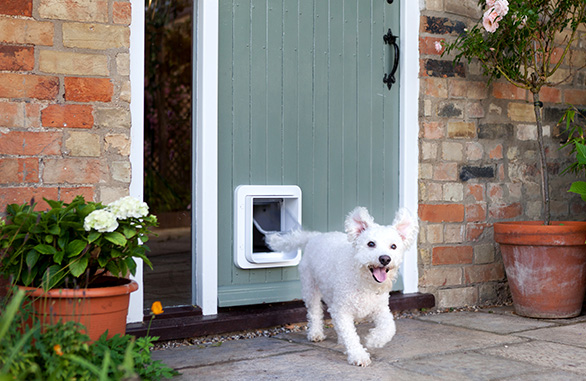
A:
x: 393, y: 246
x: 371, y: 244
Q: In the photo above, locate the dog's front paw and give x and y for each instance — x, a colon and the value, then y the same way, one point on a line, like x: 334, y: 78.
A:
x: 361, y: 358
x: 316, y: 336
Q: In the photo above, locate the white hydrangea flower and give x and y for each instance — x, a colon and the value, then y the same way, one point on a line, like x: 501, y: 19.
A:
x: 100, y: 220
x: 128, y: 207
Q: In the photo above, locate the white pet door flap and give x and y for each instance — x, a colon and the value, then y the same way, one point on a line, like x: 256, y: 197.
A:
x: 262, y: 210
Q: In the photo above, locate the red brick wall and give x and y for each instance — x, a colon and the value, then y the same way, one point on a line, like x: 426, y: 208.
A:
x: 478, y: 162
x: 64, y: 100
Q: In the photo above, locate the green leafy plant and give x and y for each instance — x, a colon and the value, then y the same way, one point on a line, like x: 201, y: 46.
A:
x: 62, y: 352
x: 121, y: 356
x: 73, y: 245
x: 524, y: 42
x: 575, y: 122
x: 29, y: 353
x: 13, y: 345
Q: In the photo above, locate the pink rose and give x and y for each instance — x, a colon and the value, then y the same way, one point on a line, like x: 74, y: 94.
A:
x: 490, y: 20
x: 438, y: 46
x: 490, y: 3
x: 501, y: 7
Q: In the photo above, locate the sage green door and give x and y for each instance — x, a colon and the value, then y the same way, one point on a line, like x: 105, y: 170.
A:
x: 302, y: 102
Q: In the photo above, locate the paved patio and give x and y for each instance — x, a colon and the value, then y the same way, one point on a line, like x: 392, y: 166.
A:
x: 490, y: 344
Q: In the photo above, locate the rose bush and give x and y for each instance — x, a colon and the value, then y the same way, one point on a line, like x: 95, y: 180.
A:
x: 524, y: 42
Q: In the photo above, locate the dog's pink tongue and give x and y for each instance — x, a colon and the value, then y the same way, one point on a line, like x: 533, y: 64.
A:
x: 379, y: 274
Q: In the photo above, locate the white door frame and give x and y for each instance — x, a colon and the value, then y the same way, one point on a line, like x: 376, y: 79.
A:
x: 206, y: 142
x: 206, y: 176
x: 409, y: 130
x: 136, y: 307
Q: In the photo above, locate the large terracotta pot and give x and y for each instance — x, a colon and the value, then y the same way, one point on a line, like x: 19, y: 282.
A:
x: 545, y: 266
x: 98, y: 309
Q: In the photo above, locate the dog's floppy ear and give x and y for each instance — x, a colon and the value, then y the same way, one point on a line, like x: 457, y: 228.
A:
x: 357, y: 221
x: 407, y: 226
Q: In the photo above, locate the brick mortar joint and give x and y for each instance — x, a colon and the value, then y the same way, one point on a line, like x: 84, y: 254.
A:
x: 18, y: 17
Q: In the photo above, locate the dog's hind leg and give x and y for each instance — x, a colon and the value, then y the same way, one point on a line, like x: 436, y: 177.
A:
x: 315, y: 312
x: 347, y: 335
x: 383, y: 331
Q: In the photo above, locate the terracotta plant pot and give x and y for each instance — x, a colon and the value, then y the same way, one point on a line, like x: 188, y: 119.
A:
x: 545, y: 266
x: 98, y: 309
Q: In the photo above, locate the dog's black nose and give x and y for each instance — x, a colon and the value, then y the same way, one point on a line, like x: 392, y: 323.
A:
x: 384, y: 260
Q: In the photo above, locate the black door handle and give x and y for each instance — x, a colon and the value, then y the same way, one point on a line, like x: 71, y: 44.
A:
x: 390, y: 39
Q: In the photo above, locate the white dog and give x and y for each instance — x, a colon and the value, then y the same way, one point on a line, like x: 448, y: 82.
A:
x: 353, y: 274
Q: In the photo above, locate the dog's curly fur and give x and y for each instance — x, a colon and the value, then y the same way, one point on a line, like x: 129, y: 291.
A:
x: 353, y: 274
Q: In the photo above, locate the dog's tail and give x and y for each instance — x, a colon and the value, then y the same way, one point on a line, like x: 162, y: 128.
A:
x: 289, y: 241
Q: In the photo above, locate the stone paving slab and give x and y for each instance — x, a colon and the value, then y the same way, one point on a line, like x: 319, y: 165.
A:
x: 489, y: 322
x: 544, y: 354
x: 238, y: 350
x: 568, y: 334
x: 552, y: 375
x: 418, y: 338
x: 314, y: 365
x: 468, y: 366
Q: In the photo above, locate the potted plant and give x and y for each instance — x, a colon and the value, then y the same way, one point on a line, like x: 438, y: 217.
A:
x: 526, y: 42
x: 73, y: 259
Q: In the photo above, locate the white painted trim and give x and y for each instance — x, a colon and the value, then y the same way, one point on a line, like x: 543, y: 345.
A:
x: 206, y: 177
x: 135, y: 310
x: 409, y: 129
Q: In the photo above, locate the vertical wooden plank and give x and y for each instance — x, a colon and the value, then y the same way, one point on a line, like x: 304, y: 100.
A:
x: 258, y: 90
x: 391, y: 117
x: 241, y: 110
x: 350, y: 103
x: 225, y: 150
x: 290, y: 91
x: 305, y: 118
x: 320, y: 123
x: 336, y: 208
x: 274, y: 25
x: 365, y: 99
x: 380, y: 93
